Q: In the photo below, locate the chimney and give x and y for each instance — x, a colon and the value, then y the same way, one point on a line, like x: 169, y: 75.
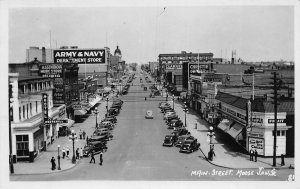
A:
x: 43, y: 55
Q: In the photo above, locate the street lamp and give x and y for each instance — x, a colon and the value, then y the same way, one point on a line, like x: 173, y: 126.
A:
x: 73, y: 137
x: 107, y: 105
x: 211, y: 135
x: 185, y: 110
x: 58, y: 157
x: 96, y: 113
x: 173, y: 101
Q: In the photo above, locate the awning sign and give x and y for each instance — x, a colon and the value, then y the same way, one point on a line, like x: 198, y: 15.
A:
x: 80, y: 56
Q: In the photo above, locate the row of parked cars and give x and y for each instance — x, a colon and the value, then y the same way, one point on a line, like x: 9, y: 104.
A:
x: 104, y: 131
x: 179, y: 136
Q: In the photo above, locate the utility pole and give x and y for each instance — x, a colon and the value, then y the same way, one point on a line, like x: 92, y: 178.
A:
x: 276, y: 82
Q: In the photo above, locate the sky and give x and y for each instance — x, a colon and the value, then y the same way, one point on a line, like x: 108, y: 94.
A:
x: 257, y: 33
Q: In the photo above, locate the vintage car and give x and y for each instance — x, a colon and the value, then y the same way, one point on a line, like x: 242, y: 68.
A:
x: 113, y: 111
x: 149, y: 114
x: 189, y: 146
x: 171, y: 117
x: 97, y: 138
x: 96, y: 146
x: 111, y: 119
x: 181, y: 140
x: 175, y: 125
x: 103, y: 132
x: 181, y: 131
x: 106, y: 124
x: 170, y: 140
x: 169, y: 113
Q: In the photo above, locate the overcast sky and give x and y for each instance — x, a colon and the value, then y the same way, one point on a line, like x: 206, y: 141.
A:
x: 255, y: 32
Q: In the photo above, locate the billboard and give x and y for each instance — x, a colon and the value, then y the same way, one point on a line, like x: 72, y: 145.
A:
x: 196, y: 69
x: 256, y: 144
x: 80, y: 56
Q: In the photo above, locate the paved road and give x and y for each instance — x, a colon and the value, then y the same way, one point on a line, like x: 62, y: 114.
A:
x: 136, y: 152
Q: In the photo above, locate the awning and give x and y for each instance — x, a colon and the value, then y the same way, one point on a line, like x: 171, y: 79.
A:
x: 69, y: 124
x: 224, y: 125
x: 79, y: 112
x: 235, y: 130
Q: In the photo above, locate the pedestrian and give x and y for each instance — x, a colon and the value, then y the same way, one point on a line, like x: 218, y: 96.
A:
x: 87, y: 140
x: 68, y: 151
x: 101, y: 157
x: 81, y: 153
x: 92, y: 157
x: 53, y: 165
x: 251, y: 154
x: 255, y: 155
x: 80, y: 134
x: 77, y: 153
x: 282, y: 160
x: 83, y: 134
x: 63, y: 152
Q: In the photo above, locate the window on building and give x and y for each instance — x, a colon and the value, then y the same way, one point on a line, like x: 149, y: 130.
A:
x: 178, y: 79
x: 30, y: 109
x: 11, y: 114
x: 24, y: 112
x: 22, y: 143
x: 36, y: 106
x: 20, y: 113
x: 278, y: 133
x: 27, y: 110
x: 282, y: 133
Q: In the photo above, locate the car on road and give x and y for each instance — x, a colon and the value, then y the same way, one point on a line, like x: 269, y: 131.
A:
x: 170, y: 140
x: 98, y: 138
x: 171, y: 117
x: 182, y: 138
x: 181, y: 131
x: 149, y: 114
x: 176, y: 124
x: 105, y: 133
x: 164, y: 105
x: 113, y: 120
x: 113, y: 111
x: 96, y: 146
x: 169, y: 113
x: 106, y: 124
x: 190, y: 146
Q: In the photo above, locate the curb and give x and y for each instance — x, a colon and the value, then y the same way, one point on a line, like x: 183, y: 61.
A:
x: 279, y: 168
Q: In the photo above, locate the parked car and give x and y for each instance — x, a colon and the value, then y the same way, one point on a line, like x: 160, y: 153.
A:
x: 171, y: 117
x: 176, y: 124
x: 160, y: 104
x: 97, y: 138
x: 172, y: 121
x: 94, y: 146
x: 105, y: 133
x: 113, y: 120
x: 106, y: 124
x: 169, y: 113
x: 113, y: 111
x: 190, y: 146
x: 149, y: 114
x: 182, y: 138
x: 164, y: 105
x: 170, y: 140
x: 181, y: 131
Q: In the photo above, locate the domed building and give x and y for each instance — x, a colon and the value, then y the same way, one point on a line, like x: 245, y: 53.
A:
x: 118, y: 53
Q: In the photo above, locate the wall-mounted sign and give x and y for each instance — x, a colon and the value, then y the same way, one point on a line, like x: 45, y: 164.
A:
x: 45, y: 106
x: 173, y: 66
x: 278, y: 120
x: 77, y: 106
x: 51, y: 121
x: 256, y: 144
x: 80, y: 56
x: 51, y: 70
x: 248, y: 113
x: 198, y: 69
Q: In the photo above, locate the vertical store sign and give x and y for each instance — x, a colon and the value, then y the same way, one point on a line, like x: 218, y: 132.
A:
x: 248, y: 116
x: 45, y: 106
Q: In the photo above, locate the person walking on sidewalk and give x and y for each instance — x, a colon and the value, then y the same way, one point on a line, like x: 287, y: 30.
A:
x: 92, y: 157
x: 77, y: 153
x: 80, y: 153
x: 255, y: 155
x: 83, y: 134
x: 80, y: 134
x: 68, y: 151
x: 63, y: 153
x: 101, y: 158
x: 53, y: 165
x: 251, y: 154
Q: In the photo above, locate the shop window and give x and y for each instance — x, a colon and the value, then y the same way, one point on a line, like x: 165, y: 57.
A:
x: 282, y: 133
x: 278, y: 133
x: 22, y: 142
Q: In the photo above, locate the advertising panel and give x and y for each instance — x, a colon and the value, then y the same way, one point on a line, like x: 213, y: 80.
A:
x: 197, y: 69
x: 51, y: 70
x: 45, y: 106
x: 80, y: 56
x: 256, y: 144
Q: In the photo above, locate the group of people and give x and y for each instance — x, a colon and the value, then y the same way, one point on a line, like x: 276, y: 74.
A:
x: 253, y: 154
x: 93, y: 157
x: 82, y: 134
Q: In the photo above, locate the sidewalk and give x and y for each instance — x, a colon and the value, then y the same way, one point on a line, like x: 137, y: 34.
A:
x: 42, y: 165
x: 225, y: 157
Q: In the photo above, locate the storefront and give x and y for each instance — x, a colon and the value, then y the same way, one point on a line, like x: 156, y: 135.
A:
x: 254, y: 128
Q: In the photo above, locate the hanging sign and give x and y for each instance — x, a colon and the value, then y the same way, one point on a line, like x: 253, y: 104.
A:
x: 45, y: 106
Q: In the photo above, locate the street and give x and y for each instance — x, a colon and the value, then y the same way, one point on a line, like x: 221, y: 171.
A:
x: 136, y: 151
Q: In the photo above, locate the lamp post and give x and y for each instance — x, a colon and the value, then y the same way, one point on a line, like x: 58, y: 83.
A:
x: 96, y: 113
x: 185, y: 110
x: 73, y: 137
x: 58, y: 157
x: 173, y: 101
x: 210, y: 134
x: 107, y: 105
